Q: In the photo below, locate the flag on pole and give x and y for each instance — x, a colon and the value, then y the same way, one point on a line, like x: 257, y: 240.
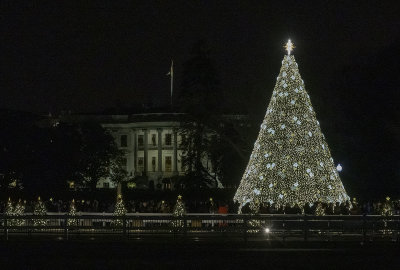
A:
x: 171, y: 73
x: 171, y: 70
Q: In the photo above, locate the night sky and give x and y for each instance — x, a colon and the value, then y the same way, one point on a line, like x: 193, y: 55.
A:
x: 89, y: 58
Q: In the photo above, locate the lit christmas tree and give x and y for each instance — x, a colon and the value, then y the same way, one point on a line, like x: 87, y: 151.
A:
x: 291, y: 162
x: 39, y: 210
x: 72, y: 221
x: 319, y: 210
x: 179, y: 211
x: 19, y: 211
x: 9, y: 210
x: 119, y: 210
x: 386, y: 211
x: 387, y: 208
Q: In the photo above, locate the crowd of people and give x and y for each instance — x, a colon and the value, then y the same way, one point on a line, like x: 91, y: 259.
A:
x: 132, y: 206
x: 388, y: 207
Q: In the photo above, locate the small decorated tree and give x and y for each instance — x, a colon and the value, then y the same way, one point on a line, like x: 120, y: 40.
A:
x: 72, y: 221
x: 9, y: 212
x: 39, y: 210
x: 19, y: 211
x: 387, y: 208
x: 386, y: 211
x: 319, y: 210
x: 119, y: 211
x: 179, y: 211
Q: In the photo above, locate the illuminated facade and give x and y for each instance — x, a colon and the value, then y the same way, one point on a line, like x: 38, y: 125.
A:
x: 150, y: 143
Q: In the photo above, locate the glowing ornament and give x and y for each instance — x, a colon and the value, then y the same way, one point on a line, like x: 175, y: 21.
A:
x: 339, y: 168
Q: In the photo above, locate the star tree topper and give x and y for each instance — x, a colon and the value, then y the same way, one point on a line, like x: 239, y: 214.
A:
x: 289, y: 46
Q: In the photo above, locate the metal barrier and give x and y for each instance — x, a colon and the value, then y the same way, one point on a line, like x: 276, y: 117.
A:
x: 201, y: 226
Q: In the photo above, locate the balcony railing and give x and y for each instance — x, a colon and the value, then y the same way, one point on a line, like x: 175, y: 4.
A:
x: 231, y: 226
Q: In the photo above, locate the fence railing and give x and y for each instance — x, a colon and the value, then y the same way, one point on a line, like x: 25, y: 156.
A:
x: 195, y: 226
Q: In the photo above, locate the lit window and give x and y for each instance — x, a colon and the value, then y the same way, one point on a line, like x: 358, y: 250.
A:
x: 124, y: 163
x: 140, y: 140
x: 153, y: 163
x: 124, y: 141
x: 168, y: 139
x: 140, y: 164
x: 168, y: 164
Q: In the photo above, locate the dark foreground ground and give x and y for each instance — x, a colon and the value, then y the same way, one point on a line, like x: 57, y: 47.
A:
x: 109, y: 254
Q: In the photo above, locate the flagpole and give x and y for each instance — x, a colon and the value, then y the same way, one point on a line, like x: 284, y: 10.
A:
x: 172, y: 80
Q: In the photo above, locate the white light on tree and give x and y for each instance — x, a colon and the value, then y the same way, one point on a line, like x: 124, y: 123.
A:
x: 291, y: 162
x: 339, y: 168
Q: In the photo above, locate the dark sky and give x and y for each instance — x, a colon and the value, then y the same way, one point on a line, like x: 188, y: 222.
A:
x: 89, y: 58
